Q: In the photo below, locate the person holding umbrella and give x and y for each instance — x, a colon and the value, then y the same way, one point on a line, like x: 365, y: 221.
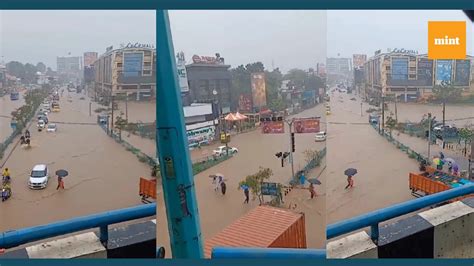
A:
x: 312, y: 188
x: 61, y: 174
x: 246, y: 193
x: 350, y: 172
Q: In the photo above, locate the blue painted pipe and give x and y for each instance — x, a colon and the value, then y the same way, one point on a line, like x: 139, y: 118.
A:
x: 14, y: 238
x: 267, y: 253
x: 375, y: 217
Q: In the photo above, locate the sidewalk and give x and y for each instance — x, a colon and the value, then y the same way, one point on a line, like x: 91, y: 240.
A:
x: 421, y: 146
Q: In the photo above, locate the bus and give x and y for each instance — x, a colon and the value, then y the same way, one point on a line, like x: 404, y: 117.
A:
x: 14, y: 95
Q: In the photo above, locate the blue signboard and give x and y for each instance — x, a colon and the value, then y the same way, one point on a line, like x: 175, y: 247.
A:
x: 463, y: 70
x: 269, y: 189
x: 400, y: 68
x: 425, y: 71
x: 132, y: 64
x: 444, y: 69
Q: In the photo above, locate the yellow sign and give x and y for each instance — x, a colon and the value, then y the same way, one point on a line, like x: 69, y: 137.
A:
x: 447, y: 40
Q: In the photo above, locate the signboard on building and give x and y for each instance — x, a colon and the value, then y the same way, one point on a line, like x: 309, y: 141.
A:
x: 273, y: 127
x: 90, y: 58
x: 132, y: 64
x: 462, y: 73
x: 245, y: 103
x: 182, y: 75
x: 200, y: 136
x: 399, y: 68
x: 425, y: 71
x: 108, y: 49
x: 403, y: 51
x: 358, y: 60
x: 137, y: 45
x: 321, y: 69
x: 208, y: 59
x: 444, y: 69
x: 306, y: 125
x: 259, y: 92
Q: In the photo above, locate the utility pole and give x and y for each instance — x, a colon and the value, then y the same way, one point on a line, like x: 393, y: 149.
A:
x: 444, y: 121
x: 396, y: 110
x: 90, y: 107
x: 126, y: 107
x: 360, y: 108
x: 429, y: 136
x: 383, y: 116
x: 292, y: 145
x: 112, y: 120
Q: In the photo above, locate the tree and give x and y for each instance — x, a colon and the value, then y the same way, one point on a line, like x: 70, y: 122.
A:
x: 277, y: 105
x: 254, y: 182
x: 465, y: 135
x: 120, y: 124
x: 297, y: 77
x: 41, y: 67
x: 241, y: 83
x: 391, y: 123
x: 16, y: 69
x: 30, y: 73
x: 446, y: 92
x: 273, y: 80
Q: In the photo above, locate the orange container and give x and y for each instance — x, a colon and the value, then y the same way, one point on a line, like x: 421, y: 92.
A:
x: 426, y: 185
x: 263, y: 227
x: 147, y: 188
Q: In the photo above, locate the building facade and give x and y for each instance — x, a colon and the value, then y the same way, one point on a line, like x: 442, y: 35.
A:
x: 69, y: 69
x: 410, y: 77
x: 89, y: 60
x: 338, y: 69
x: 207, y: 75
x: 3, y: 77
x: 129, y: 71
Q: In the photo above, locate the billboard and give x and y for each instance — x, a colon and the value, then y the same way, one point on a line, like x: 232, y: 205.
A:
x: 273, y: 127
x: 358, y: 60
x: 245, y: 103
x: 90, y: 58
x: 444, y: 69
x: 399, y: 68
x: 425, y: 71
x: 306, y: 125
x: 182, y: 74
x: 132, y: 64
x: 462, y: 73
x: 259, y: 94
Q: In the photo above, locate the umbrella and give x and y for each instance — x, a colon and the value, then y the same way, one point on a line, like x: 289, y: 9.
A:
x: 314, y: 181
x: 240, y: 116
x: 219, y: 174
x: 455, y: 167
x: 62, y: 173
x: 436, y: 161
x: 350, y: 172
x: 244, y: 187
x: 450, y: 161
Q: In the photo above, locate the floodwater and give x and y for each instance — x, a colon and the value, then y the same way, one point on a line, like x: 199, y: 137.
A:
x: 102, y: 174
x: 255, y: 150
x: 382, y: 178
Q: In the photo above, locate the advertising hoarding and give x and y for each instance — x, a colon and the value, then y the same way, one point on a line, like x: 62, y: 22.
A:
x: 358, y: 60
x: 132, y: 64
x: 444, y: 69
x: 306, y: 125
x: 182, y: 74
x: 259, y: 95
x: 462, y: 73
x: 273, y: 127
x: 90, y: 58
x: 245, y: 103
x: 399, y: 68
x: 425, y: 71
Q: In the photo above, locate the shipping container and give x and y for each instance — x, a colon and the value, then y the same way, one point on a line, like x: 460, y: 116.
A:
x: 263, y: 227
x: 147, y: 189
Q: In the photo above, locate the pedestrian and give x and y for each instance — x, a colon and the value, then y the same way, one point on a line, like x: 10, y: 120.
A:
x: 60, y: 183
x: 223, y: 187
x: 441, y: 155
x: 312, y: 190
x: 350, y: 182
x: 246, y: 193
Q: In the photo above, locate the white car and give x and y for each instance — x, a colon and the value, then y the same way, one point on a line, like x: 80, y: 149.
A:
x: 39, y: 177
x: 222, y: 150
x: 52, y: 128
x: 41, y: 124
x: 320, y: 136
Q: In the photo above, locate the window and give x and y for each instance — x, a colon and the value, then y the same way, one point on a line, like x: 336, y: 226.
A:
x: 146, y: 72
x: 147, y: 64
x: 387, y: 68
x: 412, y: 76
x: 119, y: 64
x: 412, y: 68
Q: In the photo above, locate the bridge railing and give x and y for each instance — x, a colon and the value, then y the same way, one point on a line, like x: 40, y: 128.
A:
x: 14, y: 238
x: 372, y: 219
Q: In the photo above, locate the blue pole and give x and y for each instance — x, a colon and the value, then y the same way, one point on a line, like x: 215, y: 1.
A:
x: 175, y: 164
x: 267, y: 253
x: 14, y: 238
x: 373, y: 218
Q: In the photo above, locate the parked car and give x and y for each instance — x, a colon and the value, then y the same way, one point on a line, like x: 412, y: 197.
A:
x: 320, y: 136
x: 222, y: 150
x: 39, y: 177
x: 52, y: 128
x: 41, y: 125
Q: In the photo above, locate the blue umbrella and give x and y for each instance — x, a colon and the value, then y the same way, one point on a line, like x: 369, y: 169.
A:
x: 350, y: 172
x: 314, y: 181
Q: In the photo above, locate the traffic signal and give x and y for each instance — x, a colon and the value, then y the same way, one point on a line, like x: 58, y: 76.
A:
x: 279, y: 154
x: 293, y: 142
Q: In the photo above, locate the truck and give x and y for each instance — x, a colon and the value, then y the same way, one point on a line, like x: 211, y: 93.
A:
x: 432, y: 181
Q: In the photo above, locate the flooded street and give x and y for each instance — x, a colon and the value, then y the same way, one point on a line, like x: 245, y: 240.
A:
x: 382, y: 177
x: 93, y: 185
x: 255, y: 150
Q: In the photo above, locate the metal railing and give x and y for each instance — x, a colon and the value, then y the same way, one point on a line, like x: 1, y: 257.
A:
x: 372, y: 219
x: 14, y: 238
x: 267, y: 253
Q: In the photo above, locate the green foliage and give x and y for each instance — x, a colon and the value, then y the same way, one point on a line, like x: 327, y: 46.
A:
x: 446, y: 92
x: 254, y: 182
x: 391, y: 123
x: 277, y: 105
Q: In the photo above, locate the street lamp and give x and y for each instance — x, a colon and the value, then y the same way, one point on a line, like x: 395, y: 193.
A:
x: 216, y: 101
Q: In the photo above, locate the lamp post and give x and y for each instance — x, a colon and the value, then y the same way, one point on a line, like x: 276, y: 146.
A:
x: 216, y: 102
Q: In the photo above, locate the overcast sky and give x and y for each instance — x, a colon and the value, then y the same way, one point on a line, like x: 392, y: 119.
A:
x: 289, y: 39
x: 34, y: 36
x: 352, y: 32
